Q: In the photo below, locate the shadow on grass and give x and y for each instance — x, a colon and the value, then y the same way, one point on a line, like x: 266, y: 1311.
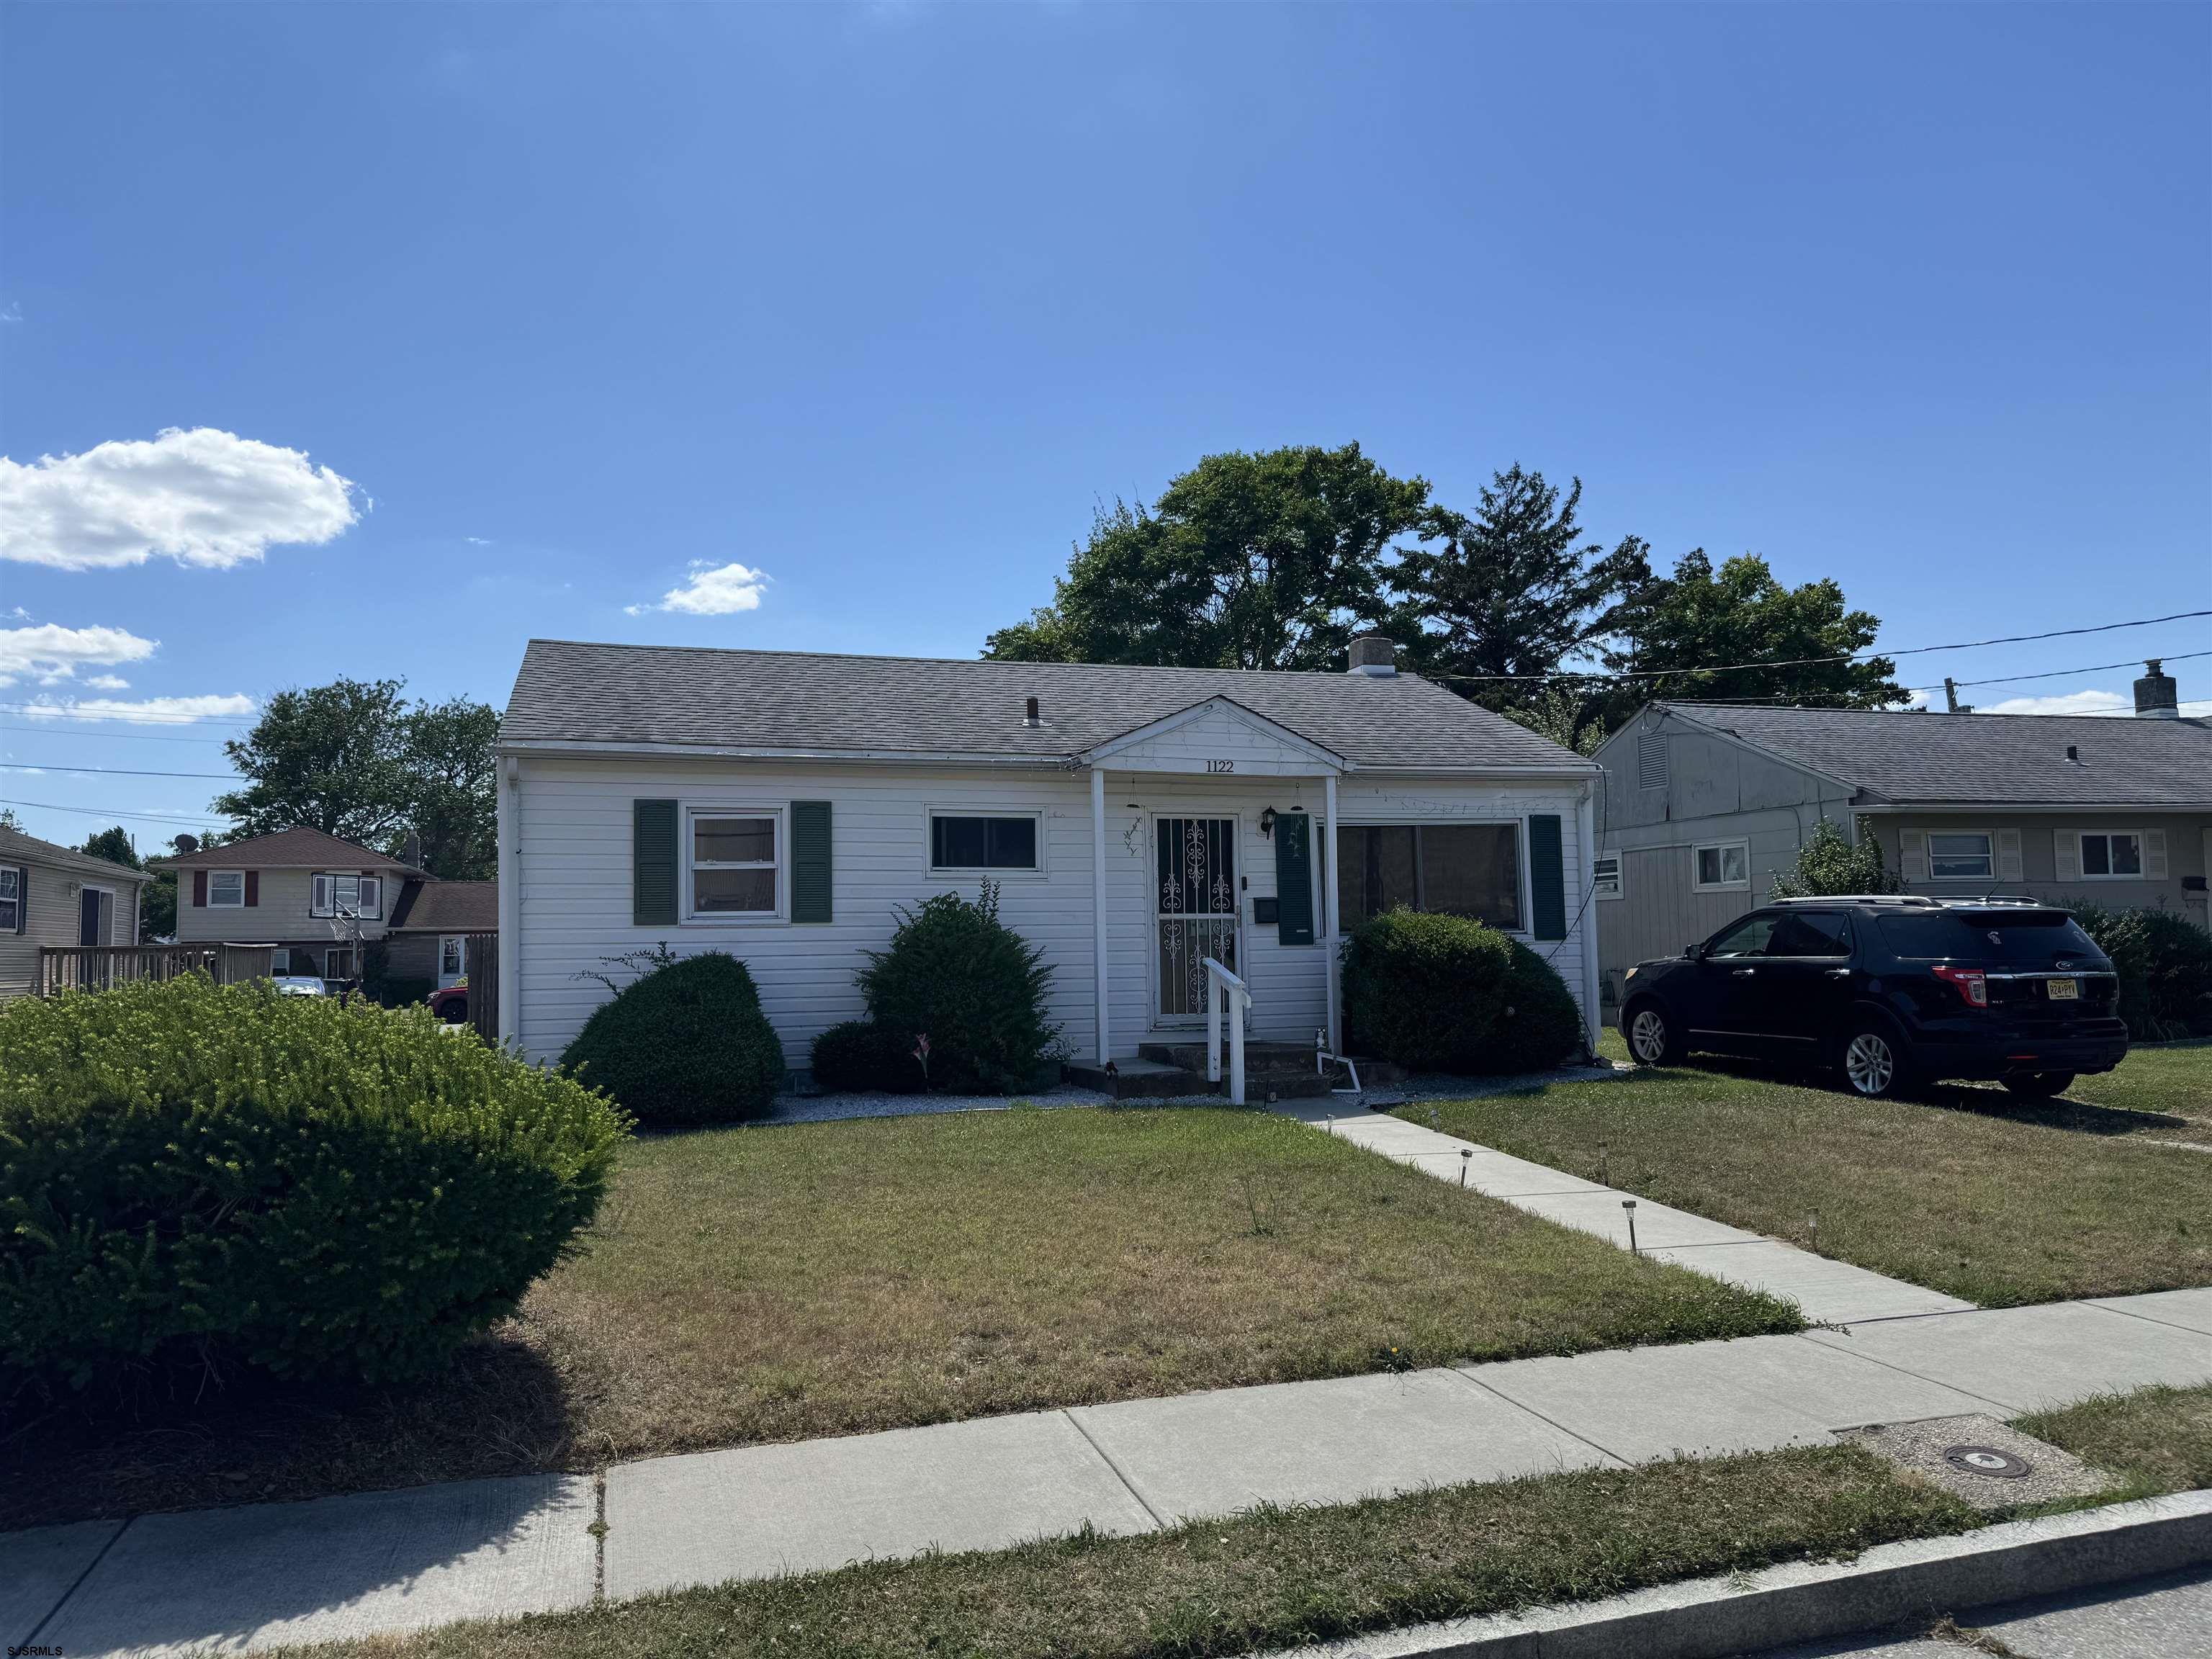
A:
x: 500, y: 1408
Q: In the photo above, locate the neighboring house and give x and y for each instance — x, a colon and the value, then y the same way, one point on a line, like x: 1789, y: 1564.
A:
x: 317, y: 901
x: 785, y: 806
x: 1705, y: 803
x: 427, y: 935
x: 54, y: 896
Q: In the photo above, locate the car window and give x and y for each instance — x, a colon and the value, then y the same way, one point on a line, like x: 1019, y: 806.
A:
x: 2022, y: 939
x: 1749, y: 938
x: 1810, y: 933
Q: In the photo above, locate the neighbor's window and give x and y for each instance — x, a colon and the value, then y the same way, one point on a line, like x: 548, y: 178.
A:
x: 346, y: 895
x: 226, y: 890
x: 1723, y: 866
x: 981, y: 844
x: 1959, y: 855
x: 2112, y: 854
x: 280, y: 962
x: 1605, y: 877
x: 11, y: 899
x: 733, y: 865
x: 449, y: 955
x: 1459, y: 869
x: 338, y: 962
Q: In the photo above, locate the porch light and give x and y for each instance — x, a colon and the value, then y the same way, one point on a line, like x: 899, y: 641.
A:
x: 1268, y: 822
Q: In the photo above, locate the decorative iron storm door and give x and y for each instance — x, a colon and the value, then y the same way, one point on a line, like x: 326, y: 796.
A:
x: 1195, y: 887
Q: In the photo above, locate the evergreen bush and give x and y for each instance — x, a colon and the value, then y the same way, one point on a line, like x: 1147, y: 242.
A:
x: 1447, y: 993
x: 683, y: 1045
x: 864, y: 1056
x: 197, y: 1179
x: 975, y: 989
x: 2164, y: 965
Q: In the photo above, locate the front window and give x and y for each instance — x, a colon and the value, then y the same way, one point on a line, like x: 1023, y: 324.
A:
x: 959, y: 843
x: 227, y: 890
x: 346, y: 895
x: 11, y: 899
x: 1459, y: 869
x: 2113, y: 856
x: 1959, y: 855
x: 1723, y: 866
x: 449, y: 957
x: 733, y: 865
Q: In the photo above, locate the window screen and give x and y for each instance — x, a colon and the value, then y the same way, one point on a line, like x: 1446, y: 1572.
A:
x: 732, y: 866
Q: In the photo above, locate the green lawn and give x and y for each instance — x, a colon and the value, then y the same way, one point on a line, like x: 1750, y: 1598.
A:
x: 1964, y: 1190
x: 1277, y: 1577
x: 784, y: 1283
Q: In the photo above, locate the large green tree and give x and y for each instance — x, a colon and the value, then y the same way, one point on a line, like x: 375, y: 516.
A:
x: 1703, y: 619
x: 1512, y: 590
x: 1266, y: 560
x: 352, y: 759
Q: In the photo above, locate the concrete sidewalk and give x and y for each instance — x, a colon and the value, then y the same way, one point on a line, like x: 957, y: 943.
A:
x: 1830, y: 1292
x: 260, y: 1576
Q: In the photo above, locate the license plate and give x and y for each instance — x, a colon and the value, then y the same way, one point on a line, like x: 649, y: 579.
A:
x: 2064, y: 990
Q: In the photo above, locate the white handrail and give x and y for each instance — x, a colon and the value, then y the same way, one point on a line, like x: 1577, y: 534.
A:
x: 1225, y: 989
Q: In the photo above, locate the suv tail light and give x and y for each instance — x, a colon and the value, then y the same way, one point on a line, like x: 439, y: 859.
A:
x: 1971, y: 984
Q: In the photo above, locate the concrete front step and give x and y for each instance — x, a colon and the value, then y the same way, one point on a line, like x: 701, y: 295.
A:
x: 1276, y: 1071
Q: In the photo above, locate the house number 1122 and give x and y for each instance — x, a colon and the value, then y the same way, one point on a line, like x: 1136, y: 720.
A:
x: 1221, y: 766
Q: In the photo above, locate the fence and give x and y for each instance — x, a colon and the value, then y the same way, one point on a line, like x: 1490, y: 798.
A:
x: 103, y: 967
x: 482, y: 961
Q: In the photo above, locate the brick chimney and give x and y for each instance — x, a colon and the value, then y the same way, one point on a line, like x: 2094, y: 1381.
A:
x: 1375, y: 655
x: 2157, y: 697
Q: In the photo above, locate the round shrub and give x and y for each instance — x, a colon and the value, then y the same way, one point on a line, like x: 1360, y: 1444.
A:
x: 684, y: 1045
x: 2165, y: 964
x: 957, y: 975
x: 860, y: 1055
x: 1446, y: 993
x: 197, y: 1179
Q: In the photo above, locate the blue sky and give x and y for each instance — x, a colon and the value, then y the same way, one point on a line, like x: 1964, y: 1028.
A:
x: 478, y: 323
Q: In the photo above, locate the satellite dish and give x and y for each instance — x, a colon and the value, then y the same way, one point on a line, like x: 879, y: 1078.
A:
x: 187, y: 844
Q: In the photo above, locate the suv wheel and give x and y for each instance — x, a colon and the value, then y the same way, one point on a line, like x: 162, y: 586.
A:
x: 2040, y: 1085
x: 1652, y: 1040
x: 1875, y: 1064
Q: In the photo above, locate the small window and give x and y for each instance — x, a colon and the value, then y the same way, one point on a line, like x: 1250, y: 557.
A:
x: 371, y: 897
x: 1605, y: 877
x: 449, y: 956
x: 11, y: 899
x: 227, y: 890
x: 1651, y: 760
x: 280, y: 962
x: 733, y: 865
x: 1961, y: 855
x: 1723, y: 866
x: 981, y: 844
x: 2111, y: 855
x: 338, y: 962
x: 1749, y: 938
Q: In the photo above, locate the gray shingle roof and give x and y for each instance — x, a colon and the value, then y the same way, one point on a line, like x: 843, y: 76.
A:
x: 1978, y: 759
x: 567, y: 692
x: 447, y: 907
x: 16, y: 848
x: 296, y: 848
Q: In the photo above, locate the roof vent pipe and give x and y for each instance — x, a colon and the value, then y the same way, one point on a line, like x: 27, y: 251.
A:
x: 2074, y: 753
x: 1375, y: 655
x: 1029, y: 713
x: 2157, y: 697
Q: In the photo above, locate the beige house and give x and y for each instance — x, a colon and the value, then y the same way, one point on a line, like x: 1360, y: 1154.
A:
x: 317, y: 901
x: 58, y: 898
x: 1705, y: 804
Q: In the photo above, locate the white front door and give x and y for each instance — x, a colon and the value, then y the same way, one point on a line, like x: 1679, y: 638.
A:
x: 1195, y: 896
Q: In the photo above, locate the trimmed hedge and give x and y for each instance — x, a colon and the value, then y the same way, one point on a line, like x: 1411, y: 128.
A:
x: 1446, y: 993
x: 197, y: 1178
x: 2164, y: 965
x: 684, y: 1045
x: 957, y: 975
x: 862, y: 1056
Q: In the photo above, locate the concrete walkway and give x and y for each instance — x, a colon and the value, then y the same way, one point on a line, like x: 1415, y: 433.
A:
x: 262, y: 1575
x: 1829, y: 1293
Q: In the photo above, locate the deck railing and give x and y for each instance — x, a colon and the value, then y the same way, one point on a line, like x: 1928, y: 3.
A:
x: 103, y: 967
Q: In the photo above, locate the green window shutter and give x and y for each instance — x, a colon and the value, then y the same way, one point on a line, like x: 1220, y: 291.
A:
x: 1294, y: 917
x: 652, y: 863
x: 1547, y: 877
x: 810, y: 861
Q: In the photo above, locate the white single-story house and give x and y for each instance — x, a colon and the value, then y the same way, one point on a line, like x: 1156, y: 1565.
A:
x: 56, y: 898
x: 784, y: 806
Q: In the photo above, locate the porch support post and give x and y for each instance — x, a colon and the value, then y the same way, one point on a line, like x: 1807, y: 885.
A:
x: 509, y: 949
x: 1328, y: 908
x: 1098, y: 902
x: 1586, y: 826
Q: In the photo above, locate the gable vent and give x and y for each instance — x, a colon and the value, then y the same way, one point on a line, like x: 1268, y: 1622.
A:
x: 1651, y: 760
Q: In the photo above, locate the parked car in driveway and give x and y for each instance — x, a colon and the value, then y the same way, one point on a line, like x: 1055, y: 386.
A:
x: 452, y: 1004
x: 1890, y: 991
x: 300, y: 985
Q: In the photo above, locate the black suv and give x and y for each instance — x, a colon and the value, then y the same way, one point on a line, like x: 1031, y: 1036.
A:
x: 1891, y: 991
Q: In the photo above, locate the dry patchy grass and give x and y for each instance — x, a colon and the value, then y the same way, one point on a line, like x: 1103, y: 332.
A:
x: 752, y: 1285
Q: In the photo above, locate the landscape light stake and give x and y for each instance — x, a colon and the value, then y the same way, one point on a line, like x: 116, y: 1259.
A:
x: 1466, y: 1153
x: 1629, y: 1205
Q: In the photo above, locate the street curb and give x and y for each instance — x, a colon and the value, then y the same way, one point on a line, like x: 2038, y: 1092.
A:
x: 1807, y: 1601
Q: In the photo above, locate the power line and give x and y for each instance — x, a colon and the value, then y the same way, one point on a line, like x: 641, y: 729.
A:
x: 116, y: 812
x: 118, y: 772
x: 2063, y: 673
x: 113, y: 736
x: 1844, y: 656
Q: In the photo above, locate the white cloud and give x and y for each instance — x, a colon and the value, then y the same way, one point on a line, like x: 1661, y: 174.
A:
x: 108, y: 682
x: 201, y: 497
x: 477, y: 541
x: 144, y: 711
x: 720, y: 589
x: 2063, y: 702
x: 54, y: 654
